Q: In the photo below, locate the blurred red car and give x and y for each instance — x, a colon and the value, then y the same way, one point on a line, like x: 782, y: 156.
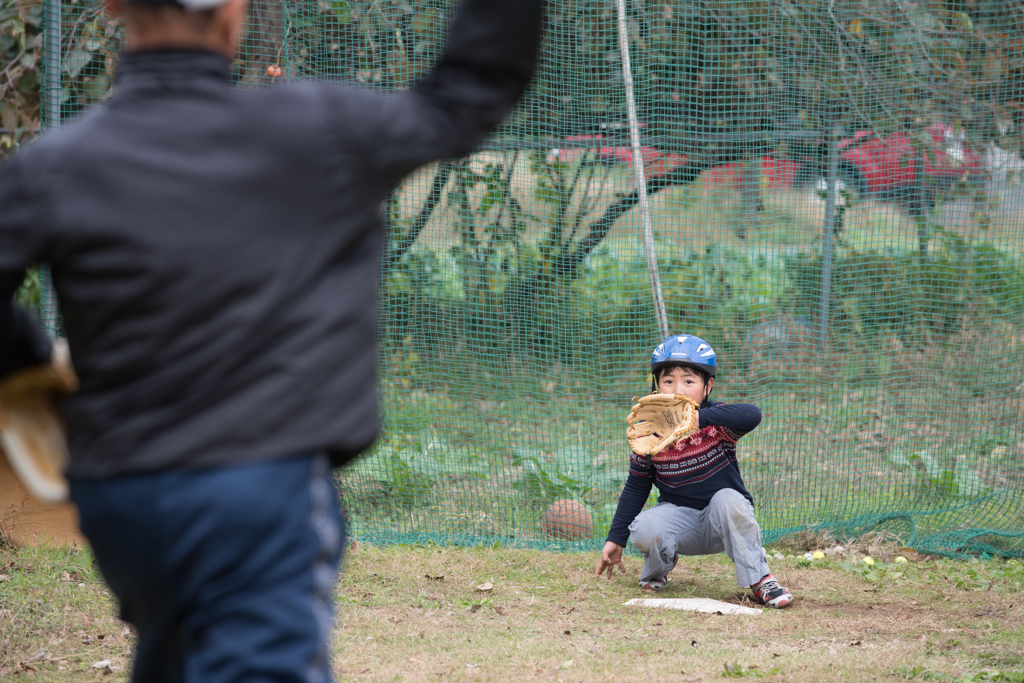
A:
x: 869, y: 165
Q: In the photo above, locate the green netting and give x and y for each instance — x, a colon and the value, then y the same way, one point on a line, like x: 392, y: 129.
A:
x: 834, y: 202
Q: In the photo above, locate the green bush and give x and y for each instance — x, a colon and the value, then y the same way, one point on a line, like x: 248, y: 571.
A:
x: 603, y: 319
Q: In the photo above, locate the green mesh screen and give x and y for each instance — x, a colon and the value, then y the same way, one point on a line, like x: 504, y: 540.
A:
x: 831, y: 197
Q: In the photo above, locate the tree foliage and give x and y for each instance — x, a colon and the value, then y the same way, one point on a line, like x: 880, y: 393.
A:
x: 736, y: 68
x: 716, y: 81
x: 20, y: 25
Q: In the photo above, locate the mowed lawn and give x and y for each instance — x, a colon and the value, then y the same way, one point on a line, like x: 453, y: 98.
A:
x: 427, y: 613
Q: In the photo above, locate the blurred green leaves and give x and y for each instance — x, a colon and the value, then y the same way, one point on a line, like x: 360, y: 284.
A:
x: 950, y: 476
x: 20, y: 26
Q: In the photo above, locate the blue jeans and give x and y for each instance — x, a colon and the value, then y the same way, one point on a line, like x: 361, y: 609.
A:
x: 726, y: 524
x: 226, y: 573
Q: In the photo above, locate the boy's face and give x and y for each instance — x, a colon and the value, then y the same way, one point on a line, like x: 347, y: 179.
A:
x: 685, y: 382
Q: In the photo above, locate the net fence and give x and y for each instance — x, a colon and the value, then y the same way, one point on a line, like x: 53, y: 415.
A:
x: 828, y: 191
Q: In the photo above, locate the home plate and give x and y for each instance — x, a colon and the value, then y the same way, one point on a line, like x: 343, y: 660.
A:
x: 693, y: 605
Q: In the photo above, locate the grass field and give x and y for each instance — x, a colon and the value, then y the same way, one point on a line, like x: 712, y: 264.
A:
x: 421, y: 614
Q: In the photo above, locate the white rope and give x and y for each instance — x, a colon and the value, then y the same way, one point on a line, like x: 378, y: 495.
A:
x: 638, y: 172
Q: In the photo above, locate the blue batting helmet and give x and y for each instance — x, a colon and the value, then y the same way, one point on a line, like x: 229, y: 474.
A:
x: 687, y: 350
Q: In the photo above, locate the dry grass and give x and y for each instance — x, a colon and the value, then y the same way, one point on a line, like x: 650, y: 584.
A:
x: 417, y: 614
x: 57, y: 618
x: 546, y: 617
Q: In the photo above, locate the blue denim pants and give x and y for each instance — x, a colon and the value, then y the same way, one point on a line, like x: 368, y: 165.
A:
x: 726, y: 524
x: 226, y: 573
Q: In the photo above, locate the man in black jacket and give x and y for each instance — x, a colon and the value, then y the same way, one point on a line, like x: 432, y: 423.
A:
x: 215, y: 254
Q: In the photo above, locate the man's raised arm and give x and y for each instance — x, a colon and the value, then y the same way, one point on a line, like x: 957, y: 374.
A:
x: 484, y: 70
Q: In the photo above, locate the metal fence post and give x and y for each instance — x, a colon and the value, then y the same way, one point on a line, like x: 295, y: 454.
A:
x: 828, y: 230
x: 51, y: 92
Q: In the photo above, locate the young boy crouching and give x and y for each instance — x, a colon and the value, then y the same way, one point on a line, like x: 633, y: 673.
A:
x: 704, y: 508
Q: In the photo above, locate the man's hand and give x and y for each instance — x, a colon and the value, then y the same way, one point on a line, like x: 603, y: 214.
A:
x: 611, y: 557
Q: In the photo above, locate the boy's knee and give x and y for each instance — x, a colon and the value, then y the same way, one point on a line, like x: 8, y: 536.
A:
x: 730, y: 507
x: 645, y: 534
x: 729, y: 499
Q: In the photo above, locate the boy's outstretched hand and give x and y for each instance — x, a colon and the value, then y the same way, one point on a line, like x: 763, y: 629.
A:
x: 610, y: 557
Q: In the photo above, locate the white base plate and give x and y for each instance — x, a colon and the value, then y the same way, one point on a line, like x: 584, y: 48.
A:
x: 692, y: 605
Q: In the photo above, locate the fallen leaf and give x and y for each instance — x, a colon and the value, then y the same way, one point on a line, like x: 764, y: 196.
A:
x: 472, y: 666
x: 566, y: 664
x: 500, y: 610
x: 486, y: 586
x: 4, y: 577
x: 106, y: 665
x: 568, y: 632
x: 415, y: 660
x: 856, y: 643
x: 474, y: 609
x: 435, y: 578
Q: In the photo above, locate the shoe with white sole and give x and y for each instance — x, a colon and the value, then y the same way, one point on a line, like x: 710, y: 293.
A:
x: 769, y: 593
x: 659, y: 584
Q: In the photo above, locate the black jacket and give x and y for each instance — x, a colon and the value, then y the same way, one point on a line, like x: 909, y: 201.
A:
x: 215, y: 250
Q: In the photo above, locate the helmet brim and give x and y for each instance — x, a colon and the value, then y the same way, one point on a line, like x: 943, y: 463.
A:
x: 703, y: 367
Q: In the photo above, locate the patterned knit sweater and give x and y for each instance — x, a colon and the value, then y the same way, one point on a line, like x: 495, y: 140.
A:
x: 693, y: 471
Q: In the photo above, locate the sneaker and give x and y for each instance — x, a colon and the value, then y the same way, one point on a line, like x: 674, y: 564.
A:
x: 659, y: 584
x: 654, y: 584
x: 770, y: 594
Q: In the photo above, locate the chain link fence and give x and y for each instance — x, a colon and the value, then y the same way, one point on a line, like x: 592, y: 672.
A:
x: 826, y: 190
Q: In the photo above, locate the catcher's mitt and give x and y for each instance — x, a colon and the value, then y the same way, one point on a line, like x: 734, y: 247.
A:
x: 659, y: 421
x: 32, y: 427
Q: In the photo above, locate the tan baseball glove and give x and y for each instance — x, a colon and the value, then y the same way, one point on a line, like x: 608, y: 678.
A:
x: 659, y: 421
x: 32, y: 425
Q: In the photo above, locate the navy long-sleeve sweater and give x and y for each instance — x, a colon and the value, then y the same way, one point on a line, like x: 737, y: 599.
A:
x: 693, y: 471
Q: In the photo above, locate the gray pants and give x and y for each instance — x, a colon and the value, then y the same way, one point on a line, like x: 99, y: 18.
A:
x: 727, y: 523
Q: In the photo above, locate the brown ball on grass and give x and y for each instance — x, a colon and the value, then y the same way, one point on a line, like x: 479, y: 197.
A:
x: 567, y: 520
